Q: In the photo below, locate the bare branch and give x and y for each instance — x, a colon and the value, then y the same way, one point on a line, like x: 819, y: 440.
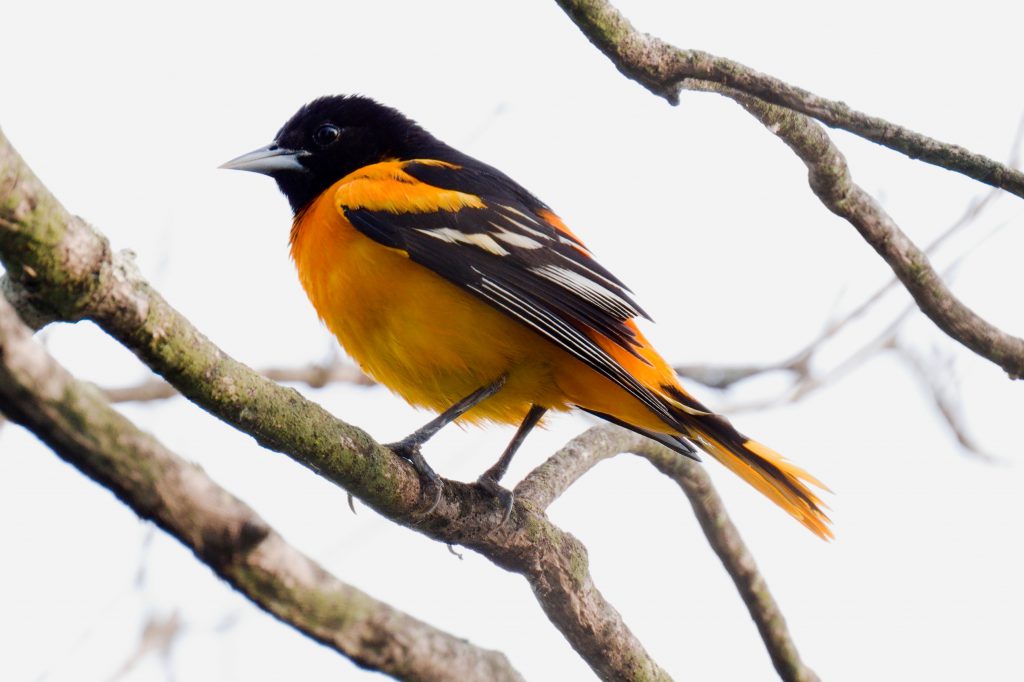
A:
x: 737, y: 559
x: 806, y: 380
x: 222, y: 531
x: 662, y: 68
x: 800, y: 363
x: 831, y: 181
x: 931, y: 378
x: 159, y: 635
x: 726, y: 376
x: 71, y: 274
x: 549, y: 480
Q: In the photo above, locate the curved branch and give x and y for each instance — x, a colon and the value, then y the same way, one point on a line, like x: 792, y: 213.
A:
x: 661, y: 68
x: 736, y: 557
x: 830, y: 178
x: 548, y: 481
x: 223, y: 532
x: 65, y: 269
x: 551, y: 478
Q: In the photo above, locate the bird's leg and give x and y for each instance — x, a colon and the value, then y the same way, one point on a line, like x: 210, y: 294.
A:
x: 409, y: 447
x: 489, y: 479
x: 427, y: 431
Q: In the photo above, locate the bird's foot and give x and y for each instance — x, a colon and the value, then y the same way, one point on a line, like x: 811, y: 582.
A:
x: 430, y: 482
x: 504, y: 496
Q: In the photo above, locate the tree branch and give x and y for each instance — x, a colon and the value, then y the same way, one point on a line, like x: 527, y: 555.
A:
x: 223, y: 532
x: 936, y: 381
x: 799, y: 363
x: 736, y: 557
x: 664, y: 69
x: 549, y: 480
x: 65, y: 269
x: 832, y: 182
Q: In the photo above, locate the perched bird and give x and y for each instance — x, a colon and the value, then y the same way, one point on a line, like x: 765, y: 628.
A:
x: 456, y: 288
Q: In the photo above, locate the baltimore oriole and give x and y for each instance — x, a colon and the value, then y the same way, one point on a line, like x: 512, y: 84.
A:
x: 462, y: 292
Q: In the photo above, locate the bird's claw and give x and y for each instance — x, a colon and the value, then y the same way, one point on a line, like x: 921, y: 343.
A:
x: 429, y: 480
x: 438, y: 488
x: 504, y: 496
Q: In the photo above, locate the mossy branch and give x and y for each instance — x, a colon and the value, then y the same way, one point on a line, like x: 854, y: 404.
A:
x: 76, y: 421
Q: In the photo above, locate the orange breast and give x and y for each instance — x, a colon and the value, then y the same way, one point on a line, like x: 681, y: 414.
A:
x: 413, y: 331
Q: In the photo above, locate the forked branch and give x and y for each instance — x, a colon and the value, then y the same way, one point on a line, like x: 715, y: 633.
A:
x: 785, y: 110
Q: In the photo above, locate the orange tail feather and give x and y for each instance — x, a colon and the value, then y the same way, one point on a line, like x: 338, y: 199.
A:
x: 780, y: 481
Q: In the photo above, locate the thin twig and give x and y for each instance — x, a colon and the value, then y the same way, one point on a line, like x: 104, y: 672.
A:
x: 808, y: 381
x: 159, y: 635
x: 948, y: 408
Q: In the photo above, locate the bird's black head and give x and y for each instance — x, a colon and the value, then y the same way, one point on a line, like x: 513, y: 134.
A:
x: 329, y: 138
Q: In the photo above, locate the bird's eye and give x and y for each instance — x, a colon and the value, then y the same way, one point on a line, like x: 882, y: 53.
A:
x: 326, y: 134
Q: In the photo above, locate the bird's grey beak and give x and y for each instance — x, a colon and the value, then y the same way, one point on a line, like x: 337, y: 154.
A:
x: 268, y: 160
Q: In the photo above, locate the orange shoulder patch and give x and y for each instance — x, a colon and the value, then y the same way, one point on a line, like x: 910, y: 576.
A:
x: 387, y: 187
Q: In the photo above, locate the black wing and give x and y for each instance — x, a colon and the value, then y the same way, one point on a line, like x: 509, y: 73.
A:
x: 509, y: 254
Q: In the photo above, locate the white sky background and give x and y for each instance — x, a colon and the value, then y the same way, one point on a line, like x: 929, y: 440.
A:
x: 125, y: 110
